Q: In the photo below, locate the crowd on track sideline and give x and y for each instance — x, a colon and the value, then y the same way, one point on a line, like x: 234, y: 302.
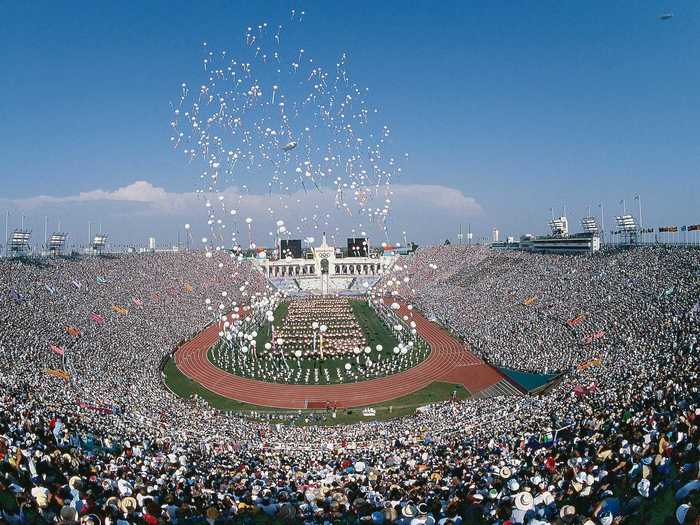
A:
x: 615, y: 440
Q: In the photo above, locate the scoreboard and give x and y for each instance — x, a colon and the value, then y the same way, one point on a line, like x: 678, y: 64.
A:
x: 291, y: 248
x: 358, y: 247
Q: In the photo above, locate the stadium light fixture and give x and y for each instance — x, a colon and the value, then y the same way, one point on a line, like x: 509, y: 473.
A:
x: 590, y: 225
x: 559, y: 226
x: 56, y: 242
x: 626, y: 223
x: 99, y: 242
x: 19, y: 241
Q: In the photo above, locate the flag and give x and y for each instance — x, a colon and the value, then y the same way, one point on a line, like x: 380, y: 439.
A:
x: 57, y: 429
x: 77, y: 284
x: 49, y: 289
x: 588, y: 364
x: 576, y: 320
x: 101, y: 279
x: 694, y: 228
x: 580, y: 391
x: 58, y: 350
x: 137, y: 301
x: 58, y: 373
x: 97, y: 318
x: 530, y: 300
x: 72, y: 331
x: 120, y: 310
x: 668, y: 229
x: 96, y: 408
x: 155, y: 296
x: 188, y: 288
x: 667, y: 292
x: 596, y: 335
x: 15, y: 296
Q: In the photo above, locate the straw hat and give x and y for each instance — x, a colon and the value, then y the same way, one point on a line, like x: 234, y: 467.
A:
x: 409, y: 511
x: 128, y: 504
x: 75, y: 483
x: 524, y: 501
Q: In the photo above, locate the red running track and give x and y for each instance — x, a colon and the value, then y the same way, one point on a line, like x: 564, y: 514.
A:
x: 449, y: 361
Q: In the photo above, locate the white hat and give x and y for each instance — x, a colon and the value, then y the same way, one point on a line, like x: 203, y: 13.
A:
x: 125, y: 488
x: 513, y: 485
x: 523, y: 501
x: 547, y: 498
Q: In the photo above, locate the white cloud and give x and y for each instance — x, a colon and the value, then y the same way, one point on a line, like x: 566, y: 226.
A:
x: 425, y: 209
x: 139, y: 191
x: 430, y: 196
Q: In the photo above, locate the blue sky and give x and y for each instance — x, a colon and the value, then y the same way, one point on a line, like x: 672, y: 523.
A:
x: 520, y: 106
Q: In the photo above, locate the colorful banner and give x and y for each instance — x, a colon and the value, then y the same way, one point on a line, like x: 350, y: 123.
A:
x: 576, y: 320
x: 530, y: 300
x: 58, y: 350
x: 58, y: 373
x: 596, y: 335
x: 96, y: 408
x: 72, y: 331
x: 588, y: 364
x: 120, y: 310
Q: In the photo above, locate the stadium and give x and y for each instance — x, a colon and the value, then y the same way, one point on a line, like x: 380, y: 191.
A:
x: 287, y: 319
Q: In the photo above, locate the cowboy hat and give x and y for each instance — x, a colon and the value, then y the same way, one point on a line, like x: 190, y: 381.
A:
x: 75, y: 483
x: 524, y: 501
x: 409, y: 511
x: 128, y: 504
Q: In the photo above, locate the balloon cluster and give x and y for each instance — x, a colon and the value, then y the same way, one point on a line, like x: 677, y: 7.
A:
x: 272, y: 119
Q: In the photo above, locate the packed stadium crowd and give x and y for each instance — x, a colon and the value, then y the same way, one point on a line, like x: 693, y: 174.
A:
x: 546, y: 314
x: 615, y: 440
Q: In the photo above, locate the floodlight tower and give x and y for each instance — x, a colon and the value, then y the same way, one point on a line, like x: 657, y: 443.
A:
x: 56, y: 243
x: 590, y: 225
x: 99, y: 242
x: 18, y: 243
x: 559, y: 226
x: 627, y: 226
